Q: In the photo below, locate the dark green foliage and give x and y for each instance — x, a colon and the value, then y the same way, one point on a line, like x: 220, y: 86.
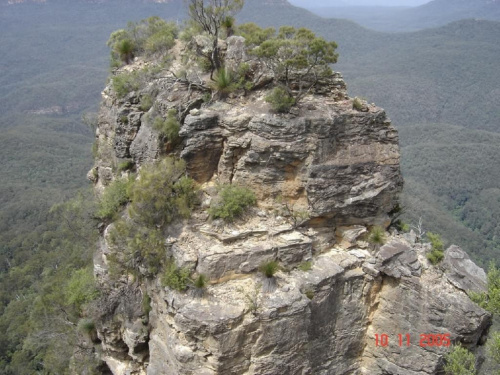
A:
x: 459, y: 361
x: 436, y: 255
x: 115, y: 196
x: 268, y: 269
x: 280, y: 100
x: 162, y: 193
x: 231, y: 202
x: 168, y: 128
x: 175, y: 277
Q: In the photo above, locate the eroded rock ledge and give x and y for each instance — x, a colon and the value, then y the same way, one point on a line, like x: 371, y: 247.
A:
x: 321, y: 321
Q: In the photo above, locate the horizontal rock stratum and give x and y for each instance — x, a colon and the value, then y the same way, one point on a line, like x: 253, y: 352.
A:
x: 335, y: 295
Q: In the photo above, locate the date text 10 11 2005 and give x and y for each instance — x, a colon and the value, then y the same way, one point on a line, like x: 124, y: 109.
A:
x: 404, y: 339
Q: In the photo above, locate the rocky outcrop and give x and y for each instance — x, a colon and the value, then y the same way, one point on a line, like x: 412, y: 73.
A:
x: 320, y: 321
x: 323, y: 174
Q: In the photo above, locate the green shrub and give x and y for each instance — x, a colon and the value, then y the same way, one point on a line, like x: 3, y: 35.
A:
x: 494, y: 347
x: 402, y: 226
x: 126, y: 165
x: 436, y: 255
x: 309, y: 293
x: 459, y: 361
x: 377, y: 236
x: 146, y: 103
x: 162, y: 193
x: 280, y: 100
x: 115, y: 195
x: 200, y: 282
x: 231, y: 202
x: 124, y: 119
x: 151, y: 36
x: 81, y: 288
x: 436, y: 241
x: 224, y: 82
x: 125, y: 49
x: 489, y: 300
x: 204, y: 64
x: 305, y: 266
x: 357, y: 104
x: 146, y: 304
x: 138, y: 247
x: 228, y: 25
x: 253, y: 34
x: 175, y: 277
x: 86, y: 325
x: 269, y: 268
x: 168, y: 128
x: 125, y: 82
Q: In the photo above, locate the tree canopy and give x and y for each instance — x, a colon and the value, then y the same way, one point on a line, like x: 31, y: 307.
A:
x: 212, y: 16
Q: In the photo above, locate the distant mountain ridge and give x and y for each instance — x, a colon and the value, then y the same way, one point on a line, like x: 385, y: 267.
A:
x: 433, y: 14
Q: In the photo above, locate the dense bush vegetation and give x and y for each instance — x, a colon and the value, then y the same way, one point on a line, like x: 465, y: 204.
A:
x: 491, y: 299
x: 175, y: 277
x: 269, y: 269
x: 152, y: 36
x: 169, y: 127
x: 162, y: 193
x: 115, y: 196
x: 377, y: 236
x: 436, y: 254
x: 232, y: 202
x: 280, y: 100
x: 460, y: 361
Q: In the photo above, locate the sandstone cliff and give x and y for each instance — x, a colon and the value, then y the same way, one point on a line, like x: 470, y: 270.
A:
x: 336, y: 164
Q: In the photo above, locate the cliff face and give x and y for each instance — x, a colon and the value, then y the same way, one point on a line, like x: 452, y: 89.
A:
x: 336, y: 166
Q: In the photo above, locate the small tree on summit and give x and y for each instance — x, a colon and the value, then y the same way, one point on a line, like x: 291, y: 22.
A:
x: 213, y: 16
x: 297, y: 56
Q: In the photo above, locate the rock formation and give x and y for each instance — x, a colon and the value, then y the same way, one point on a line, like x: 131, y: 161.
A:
x: 334, y: 294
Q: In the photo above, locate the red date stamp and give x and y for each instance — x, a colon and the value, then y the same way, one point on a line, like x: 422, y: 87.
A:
x: 404, y: 339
